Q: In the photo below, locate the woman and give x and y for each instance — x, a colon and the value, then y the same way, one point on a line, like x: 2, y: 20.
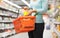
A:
x: 40, y: 7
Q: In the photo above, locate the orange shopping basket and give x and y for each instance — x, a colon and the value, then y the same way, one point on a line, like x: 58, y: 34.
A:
x: 24, y: 24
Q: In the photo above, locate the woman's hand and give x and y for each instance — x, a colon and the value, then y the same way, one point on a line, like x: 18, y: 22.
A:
x: 34, y: 10
x: 31, y: 11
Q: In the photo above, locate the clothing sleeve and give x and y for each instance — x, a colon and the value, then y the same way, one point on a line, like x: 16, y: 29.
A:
x: 44, y: 7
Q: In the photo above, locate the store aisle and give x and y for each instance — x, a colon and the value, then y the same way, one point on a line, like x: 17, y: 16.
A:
x: 47, y: 34
x: 20, y: 35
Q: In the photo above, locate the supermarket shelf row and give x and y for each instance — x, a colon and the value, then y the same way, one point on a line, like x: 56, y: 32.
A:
x: 57, y: 32
x: 7, y: 9
x: 56, y: 22
x: 6, y: 15
x: 11, y: 27
x: 7, y: 34
x: 8, y: 12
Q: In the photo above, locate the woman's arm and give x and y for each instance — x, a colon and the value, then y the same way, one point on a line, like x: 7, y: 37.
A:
x: 44, y: 7
x: 31, y: 11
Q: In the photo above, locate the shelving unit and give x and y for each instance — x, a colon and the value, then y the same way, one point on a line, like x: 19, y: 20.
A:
x: 8, y: 12
x: 56, y: 30
x: 7, y: 34
x: 56, y: 23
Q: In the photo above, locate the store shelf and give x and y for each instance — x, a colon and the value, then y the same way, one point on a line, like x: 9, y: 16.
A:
x: 6, y: 15
x: 9, y: 6
x: 8, y: 12
x: 56, y: 22
x: 3, y: 8
x: 4, y: 34
x: 7, y: 34
x: 3, y: 14
x: 12, y: 4
x: 55, y: 30
x: 2, y: 28
x: 11, y: 27
x: 5, y: 21
x: 13, y: 32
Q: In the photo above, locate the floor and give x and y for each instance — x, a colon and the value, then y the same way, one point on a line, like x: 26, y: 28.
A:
x: 47, y: 34
x: 21, y: 35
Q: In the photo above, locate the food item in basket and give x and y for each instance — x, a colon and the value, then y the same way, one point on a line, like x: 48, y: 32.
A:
x: 25, y: 13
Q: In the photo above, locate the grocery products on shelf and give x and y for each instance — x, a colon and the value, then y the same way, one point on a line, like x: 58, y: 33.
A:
x: 8, y: 12
x: 56, y: 23
x: 58, y: 27
x: 7, y: 6
x: 54, y: 35
x: 0, y: 18
x: 6, y: 26
x: 0, y: 0
x: 57, y: 16
x: 54, y: 15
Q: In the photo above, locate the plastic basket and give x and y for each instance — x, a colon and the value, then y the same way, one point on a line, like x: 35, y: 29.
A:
x: 24, y: 24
